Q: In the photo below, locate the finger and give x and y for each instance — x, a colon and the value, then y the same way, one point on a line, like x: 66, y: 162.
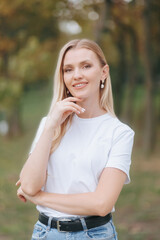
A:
x: 66, y: 114
x: 71, y: 109
x: 72, y: 99
x: 18, y: 182
x: 19, y: 191
x: 22, y: 198
x: 76, y: 106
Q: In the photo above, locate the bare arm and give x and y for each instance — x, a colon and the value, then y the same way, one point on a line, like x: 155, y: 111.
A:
x: 99, y: 202
x: 33, y: 173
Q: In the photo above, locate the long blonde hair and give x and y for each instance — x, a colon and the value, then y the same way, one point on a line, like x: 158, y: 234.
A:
x: 60, y: 92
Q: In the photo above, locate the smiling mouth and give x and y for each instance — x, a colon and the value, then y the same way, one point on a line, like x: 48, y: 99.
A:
x: 80, y: 85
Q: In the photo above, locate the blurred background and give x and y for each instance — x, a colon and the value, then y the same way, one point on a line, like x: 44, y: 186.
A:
x: 31, y: 35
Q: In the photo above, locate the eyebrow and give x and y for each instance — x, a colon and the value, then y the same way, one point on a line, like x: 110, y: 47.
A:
x: 81, y: 63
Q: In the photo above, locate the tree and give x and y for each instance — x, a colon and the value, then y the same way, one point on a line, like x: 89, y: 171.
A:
x: 149, y: 127
x: 133, y: 35
x: 21, y: 39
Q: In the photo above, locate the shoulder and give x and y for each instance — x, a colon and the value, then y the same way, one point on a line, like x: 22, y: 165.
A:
x: 41, y: 126
x: 117, y: 128
x: 42, y: 122
x: 116, y: 125
x: 122, y: 131
x: 38, y: 133
x: 120, y: 127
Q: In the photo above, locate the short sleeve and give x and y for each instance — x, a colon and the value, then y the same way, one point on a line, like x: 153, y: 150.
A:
x: 38, y: 134
x: 121, y: 150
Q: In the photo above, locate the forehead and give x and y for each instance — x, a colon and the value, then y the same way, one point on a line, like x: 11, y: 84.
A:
x: 80, y: 55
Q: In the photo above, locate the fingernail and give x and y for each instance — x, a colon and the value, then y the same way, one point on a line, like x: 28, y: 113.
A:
x: 83, y: 110
x: 78, y: 112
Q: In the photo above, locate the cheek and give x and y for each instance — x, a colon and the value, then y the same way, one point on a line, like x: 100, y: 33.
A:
x: 95, y: 80
x: 66, y: 81
x: 95, y: 75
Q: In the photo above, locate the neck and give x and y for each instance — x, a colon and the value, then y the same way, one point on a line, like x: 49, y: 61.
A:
x: 92, y: 109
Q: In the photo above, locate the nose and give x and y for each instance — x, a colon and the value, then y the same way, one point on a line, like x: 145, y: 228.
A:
x: 77, y: 73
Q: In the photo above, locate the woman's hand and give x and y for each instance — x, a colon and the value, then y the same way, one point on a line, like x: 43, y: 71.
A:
x: 20, y: 193
x: 24, y: 197
x: 61, y: 110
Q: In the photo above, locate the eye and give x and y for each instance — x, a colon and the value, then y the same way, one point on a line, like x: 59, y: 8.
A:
x: 67, y: 70
x: 86, y: 66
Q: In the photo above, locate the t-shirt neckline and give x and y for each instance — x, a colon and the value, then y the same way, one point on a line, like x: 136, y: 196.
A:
x: 103, y: 116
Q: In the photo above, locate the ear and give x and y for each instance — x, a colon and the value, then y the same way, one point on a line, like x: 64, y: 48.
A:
x: 105, y: 72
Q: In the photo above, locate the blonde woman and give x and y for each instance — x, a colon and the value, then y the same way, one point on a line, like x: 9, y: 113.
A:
x: 81, y: 155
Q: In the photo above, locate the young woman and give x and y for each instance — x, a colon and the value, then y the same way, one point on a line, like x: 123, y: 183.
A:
x: 81, y: 155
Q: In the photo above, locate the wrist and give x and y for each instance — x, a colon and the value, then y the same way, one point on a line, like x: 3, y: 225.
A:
x: 40, y: 198
x: 50, y: 125
x: 49, y: 130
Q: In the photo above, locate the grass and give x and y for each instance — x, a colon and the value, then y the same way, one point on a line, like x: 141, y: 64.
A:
x: 137, y: 210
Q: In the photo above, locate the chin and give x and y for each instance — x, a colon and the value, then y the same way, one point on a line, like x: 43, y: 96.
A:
x: 80, y: 96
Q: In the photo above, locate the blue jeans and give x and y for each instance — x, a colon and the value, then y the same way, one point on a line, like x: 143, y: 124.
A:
x: 104, y: 232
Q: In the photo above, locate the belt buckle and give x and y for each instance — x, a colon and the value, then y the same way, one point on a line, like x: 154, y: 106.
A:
x: 58, y: 225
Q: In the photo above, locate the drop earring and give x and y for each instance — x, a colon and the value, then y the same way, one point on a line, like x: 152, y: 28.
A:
x: 68, y: 92
x: 102, y: 84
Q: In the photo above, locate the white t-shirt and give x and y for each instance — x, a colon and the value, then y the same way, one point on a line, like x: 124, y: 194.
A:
x: 89, y: 146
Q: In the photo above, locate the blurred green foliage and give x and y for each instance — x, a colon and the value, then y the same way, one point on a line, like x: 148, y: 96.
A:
x: 9, y: 93
x: 30, y: 38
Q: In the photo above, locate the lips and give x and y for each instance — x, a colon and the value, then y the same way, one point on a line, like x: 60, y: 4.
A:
x: 80, y: 85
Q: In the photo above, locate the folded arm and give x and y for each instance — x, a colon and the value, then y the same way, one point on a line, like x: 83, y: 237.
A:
x: 99, y: 202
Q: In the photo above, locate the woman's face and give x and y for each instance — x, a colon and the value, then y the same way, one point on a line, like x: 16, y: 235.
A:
x: 82, y: 73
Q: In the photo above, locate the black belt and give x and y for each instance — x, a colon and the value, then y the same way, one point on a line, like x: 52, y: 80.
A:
x: 74, y: 225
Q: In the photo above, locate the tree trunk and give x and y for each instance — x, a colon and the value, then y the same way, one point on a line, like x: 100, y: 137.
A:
x: 149, y: 127
x: 131, y: 76
x: 100, y: 25
x: 14, y: 120
x: 5, y: 60
x: 120, y: 83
